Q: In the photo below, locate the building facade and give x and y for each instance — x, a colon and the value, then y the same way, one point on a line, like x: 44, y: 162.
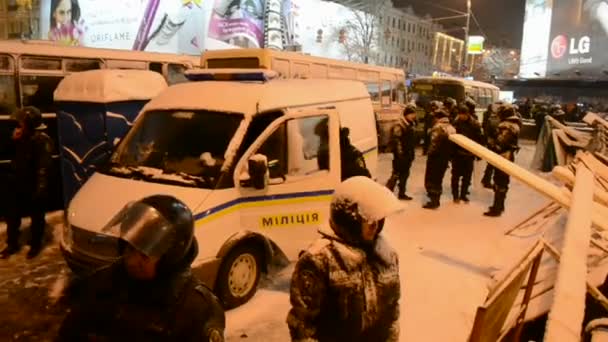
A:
x: 19, y: 19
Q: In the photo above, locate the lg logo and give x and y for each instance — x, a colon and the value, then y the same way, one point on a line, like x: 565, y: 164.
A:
x: 559, y: 46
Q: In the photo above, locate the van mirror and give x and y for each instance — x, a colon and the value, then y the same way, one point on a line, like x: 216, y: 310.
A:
x: 258, y: 172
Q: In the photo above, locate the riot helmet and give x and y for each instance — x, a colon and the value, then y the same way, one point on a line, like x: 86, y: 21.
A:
x: 30, y: 116
x: 409, y: 109
x: 450, y: 102
x: 357, y: 201
x: 158, y: 226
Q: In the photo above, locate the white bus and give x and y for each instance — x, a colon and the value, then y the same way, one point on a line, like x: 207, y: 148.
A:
x: 31, y: 70
x: 386, y: 86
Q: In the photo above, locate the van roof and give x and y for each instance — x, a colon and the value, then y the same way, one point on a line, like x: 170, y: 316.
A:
x: 109, y: 85
x: 250, y: 98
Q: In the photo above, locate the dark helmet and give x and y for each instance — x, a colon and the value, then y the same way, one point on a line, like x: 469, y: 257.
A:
x: 450, y: 102
x: 463, y: 109
x: 160, y: 226
x: 441, y: 113
x: 30, y: 116
x: 506, y: 111
x: 357, y: 200
x: 435, y: 105
x: 409, y: 109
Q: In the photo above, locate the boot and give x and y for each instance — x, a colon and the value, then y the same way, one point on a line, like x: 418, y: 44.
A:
x: 456, y: 196
x: 464, y: 193
x: 8, y: 251
x: 433, y: 202
x: 34, y: 251
x: 499, y: 205
x: 405, y: 197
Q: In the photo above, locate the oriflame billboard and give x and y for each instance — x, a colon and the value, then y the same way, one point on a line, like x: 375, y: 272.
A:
x: 565, y: 39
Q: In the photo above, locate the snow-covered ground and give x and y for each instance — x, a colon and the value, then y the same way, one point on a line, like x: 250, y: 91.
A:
x: 447, y: 259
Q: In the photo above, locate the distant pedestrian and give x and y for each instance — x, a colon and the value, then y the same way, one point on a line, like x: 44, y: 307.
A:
x: 438, y: 159
x: 403, y: 145
x: 345, y: 286
x: 28, y: 186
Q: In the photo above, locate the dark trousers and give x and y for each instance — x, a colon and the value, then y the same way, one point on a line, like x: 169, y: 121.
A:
x: 20, y: 207
x: 436, y: 165
x: 488, y: 173
x: 401, y: 172
x: 462, y: 168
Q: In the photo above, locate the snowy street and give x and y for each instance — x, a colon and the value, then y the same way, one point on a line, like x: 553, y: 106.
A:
x: 447, y: 259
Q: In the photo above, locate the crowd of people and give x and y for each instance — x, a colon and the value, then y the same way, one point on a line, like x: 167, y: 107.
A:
x: 499, y: 131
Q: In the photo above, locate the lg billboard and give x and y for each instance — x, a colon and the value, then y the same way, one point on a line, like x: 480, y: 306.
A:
x: 565, y: 39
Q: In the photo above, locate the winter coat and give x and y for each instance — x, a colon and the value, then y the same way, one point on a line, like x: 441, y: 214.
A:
x: 403, y: 143
x: 507, y: 138
x: 490, y: 123
x: 440, y: 145
x: 31, y: 165
x: 341, y: 292
x: 114, y: 307
x: 352, y: 161
x: 471, y: 129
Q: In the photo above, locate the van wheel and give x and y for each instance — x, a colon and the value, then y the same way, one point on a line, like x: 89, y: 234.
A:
x: 239, y: 276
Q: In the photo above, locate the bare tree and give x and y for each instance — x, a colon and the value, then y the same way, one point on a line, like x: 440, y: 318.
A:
x: 359, y: 36
x: 497, y: 62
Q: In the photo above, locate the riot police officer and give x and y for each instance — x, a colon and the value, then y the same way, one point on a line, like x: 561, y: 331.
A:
x: 506, y: 144
x: 28, y: 186
x: 403, y: 145
x: 463, y: 160
x: 439, y: 155
x: 490, y: 123
x: 429, y: 120
x: 450, y: 106
x: 149, y: 294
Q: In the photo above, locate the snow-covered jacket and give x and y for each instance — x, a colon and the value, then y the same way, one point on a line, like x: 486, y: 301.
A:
x: 403, y: 142
x: 341, y: 292
x: 440, y: 143
x: 471, y: 129
x: 507, y: 139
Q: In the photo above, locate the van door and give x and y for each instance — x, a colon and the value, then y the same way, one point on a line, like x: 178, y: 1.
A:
x: 302, y: 150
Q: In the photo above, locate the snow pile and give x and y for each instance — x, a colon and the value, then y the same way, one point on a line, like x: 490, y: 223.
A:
x: 374, y: 201
x: 104, y: 86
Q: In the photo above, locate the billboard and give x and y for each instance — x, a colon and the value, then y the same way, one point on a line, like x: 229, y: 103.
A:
x: 475, y: 45
x: 192, y: 26
x: 565, y: 39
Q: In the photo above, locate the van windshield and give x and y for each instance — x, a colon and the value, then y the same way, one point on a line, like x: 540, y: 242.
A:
x: 180, y: 147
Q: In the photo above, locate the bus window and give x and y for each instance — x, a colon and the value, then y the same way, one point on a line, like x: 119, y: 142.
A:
x: 8, y: 95
x: 374, y: 91
x: 39, y: 63
x: 75, y: 65
x: 176, y: 73
x: 386, y: 93
x: 156, y: 67
x: 244, y: 63
x: 38, y: 91
x: 399, y: 93
x: 120, y: 64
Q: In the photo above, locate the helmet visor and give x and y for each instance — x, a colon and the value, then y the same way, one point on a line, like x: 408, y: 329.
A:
x: 143, y: 227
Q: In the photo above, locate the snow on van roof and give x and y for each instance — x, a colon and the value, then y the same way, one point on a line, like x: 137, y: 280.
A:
x: 102, y: 86
x: 250, y: 98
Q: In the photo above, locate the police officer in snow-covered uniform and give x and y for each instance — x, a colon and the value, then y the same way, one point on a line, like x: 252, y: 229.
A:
x: 345, y: 286
x: 490, y: 123
x: 429, y: 120
x: 506, y: 144
x: 403, y: 145
x: 439, y: 155
x: 450, y: 105
x: 28, y: 185
x: 463, y: 161
x: 150, y: 294
x: 471, y: 105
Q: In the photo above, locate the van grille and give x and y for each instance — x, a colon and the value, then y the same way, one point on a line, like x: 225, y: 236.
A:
x: 95, y: 244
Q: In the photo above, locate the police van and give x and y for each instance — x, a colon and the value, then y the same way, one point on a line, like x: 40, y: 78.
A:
x: 256, y: 159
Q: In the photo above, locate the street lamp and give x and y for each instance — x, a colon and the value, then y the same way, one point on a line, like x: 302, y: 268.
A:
x: 466, y: 36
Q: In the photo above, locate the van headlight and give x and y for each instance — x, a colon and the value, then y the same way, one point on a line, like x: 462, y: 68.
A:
x: 67, y: 234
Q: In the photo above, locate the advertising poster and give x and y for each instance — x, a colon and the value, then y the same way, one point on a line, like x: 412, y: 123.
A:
x: 145, y: 25
x: 537, y: 26
x: 238, y: 22
x: 565, y: 39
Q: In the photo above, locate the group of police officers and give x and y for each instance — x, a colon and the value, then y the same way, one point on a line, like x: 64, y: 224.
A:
x: 499, y: 131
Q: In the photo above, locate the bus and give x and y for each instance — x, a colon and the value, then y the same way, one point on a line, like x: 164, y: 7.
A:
x: 31, y: 70
x: 386, y: 86
x: 426, y: 89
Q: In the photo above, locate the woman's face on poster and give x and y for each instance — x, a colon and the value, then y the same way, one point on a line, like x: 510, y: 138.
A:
x: 63, y: 12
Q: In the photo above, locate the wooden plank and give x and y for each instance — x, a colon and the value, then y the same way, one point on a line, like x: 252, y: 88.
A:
x: 599, y: 168
x: 582, y: 137
x: 568, y: 309
x: 598, y: 215
x: 567, y: 176
x: 531, y: 217
x: 591, y: 118
x: 558, y: 148
x: 522, y: 315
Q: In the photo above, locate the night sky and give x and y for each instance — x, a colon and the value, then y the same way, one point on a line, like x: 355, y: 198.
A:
x: 501, y: 20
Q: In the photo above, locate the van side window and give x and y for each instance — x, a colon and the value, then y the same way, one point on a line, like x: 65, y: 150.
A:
x: 175, y: 74
x: 299, y: 147
x: 374, y: 91
x: 156, y: 67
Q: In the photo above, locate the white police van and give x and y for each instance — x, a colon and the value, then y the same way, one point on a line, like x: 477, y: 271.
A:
x: 255, y: 158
